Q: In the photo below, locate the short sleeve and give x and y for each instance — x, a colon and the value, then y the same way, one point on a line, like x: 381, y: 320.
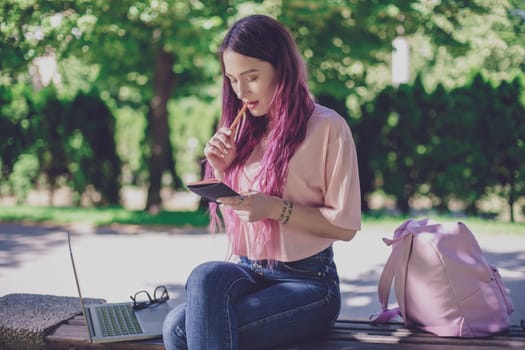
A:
x: 342, y: 198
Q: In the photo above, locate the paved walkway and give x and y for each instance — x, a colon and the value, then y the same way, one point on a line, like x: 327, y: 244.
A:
x: 113, y: 263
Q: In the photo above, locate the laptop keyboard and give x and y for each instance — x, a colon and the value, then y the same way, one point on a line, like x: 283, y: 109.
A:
x: 118, y: 320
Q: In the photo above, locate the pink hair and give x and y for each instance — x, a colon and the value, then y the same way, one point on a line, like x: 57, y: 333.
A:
x: 266, y: 39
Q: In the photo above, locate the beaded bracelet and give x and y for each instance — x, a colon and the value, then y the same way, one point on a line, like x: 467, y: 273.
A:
x: 286, y: 212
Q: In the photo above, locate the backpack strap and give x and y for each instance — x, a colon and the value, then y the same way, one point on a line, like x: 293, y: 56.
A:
x: 504, y: 294
x: 401, y: 248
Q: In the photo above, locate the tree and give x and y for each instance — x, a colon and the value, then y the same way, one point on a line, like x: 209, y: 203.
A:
x: 406, y: 144
x: 150, y: 48
x: 92, y: 150
x: 147, y: 52
x: 345, y: 41
x: 503, y: 134
x: 459, y: 165
x: 50, y: 126
x: 142, y: 49
x: 14, y: 127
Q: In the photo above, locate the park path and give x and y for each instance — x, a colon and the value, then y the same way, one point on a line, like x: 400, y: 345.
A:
x: 114, y: 262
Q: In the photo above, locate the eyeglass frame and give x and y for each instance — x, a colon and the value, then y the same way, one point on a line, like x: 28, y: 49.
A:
x: 139, y: 305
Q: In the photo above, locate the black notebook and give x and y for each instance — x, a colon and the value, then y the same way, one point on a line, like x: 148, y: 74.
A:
x: 211, y: 189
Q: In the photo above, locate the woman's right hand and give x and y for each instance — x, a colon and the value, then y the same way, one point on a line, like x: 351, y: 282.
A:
x: 220, y: 150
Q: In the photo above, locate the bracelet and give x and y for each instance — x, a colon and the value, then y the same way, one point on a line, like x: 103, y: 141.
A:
x: 286, y: 211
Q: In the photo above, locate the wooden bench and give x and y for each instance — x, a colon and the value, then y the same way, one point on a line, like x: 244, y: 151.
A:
x: 346, y: 334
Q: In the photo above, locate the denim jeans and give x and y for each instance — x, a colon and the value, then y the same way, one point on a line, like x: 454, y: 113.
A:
x: 251, y: 305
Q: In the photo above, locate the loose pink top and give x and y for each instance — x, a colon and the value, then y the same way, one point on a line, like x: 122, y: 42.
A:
x: 322, y: 173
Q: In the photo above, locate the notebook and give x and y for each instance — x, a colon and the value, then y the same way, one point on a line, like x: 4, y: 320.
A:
x: 113, y: 322
x: 211, y: 189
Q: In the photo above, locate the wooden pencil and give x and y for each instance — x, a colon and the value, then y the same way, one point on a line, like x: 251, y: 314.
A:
x: 238, y: 117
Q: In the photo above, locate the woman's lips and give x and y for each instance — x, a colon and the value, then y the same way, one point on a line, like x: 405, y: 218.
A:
x: 252, y: 105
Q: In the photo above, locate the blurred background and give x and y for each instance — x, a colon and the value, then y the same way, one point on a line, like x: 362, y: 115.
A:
x: 108, y: 104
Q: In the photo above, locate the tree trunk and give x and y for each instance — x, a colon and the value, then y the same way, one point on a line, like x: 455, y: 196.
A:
x: 403, y: 204
x: 161, y: 156
x: 512, y: 199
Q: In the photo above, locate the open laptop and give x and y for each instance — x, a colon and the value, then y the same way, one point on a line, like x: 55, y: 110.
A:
x: 112, y: 322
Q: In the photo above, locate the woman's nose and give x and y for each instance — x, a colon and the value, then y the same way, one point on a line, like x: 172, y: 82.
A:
x: 242, y: 90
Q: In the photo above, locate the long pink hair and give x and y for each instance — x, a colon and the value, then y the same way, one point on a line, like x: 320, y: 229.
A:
x: 266, y: 39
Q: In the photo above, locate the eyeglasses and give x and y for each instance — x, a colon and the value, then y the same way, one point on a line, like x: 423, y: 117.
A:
x: 142, y: 299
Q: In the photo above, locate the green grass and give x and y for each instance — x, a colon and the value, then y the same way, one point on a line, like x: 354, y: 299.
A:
x: 107, y: 216
x: 476, y: 225
x: 101, y: 216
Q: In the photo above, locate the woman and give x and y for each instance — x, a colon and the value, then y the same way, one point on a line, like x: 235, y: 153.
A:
x: 294, y: 164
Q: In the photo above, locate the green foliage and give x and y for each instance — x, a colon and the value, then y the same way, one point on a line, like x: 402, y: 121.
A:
x: 31, y: 28
x: 49, y: 136
x: 193, y: 122
x: 15, y: 131
x: 22, y: 178
x: 504, y: 141
x: 129, y: 133
x: 113, y: 47
x: 460, y: 164
x: 51, y: 127
x: 103, y: 216
x: 77, y: 77
x: 123, y: 37
x: 93, y: 159
x: 345, y: 42
x: 495, y: 39
x: 449, y: 145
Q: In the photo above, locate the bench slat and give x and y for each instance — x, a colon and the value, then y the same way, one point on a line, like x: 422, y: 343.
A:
x: 346, y: 334
x: 396, y: 333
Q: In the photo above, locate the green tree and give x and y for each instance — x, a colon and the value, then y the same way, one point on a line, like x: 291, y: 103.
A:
x: 495, y: 47
x: 92, y: 156
x: 142, y: 49
x: 404, y: 143
x: 345, y: 42
x: 51, y: 128
x: 146, y: 52
x: 14, y: 126
x: 368, y: 134
x: 459, y: 165
x: 503, y: 134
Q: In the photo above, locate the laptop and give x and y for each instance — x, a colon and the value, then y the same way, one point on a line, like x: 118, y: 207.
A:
x: 114, y: 322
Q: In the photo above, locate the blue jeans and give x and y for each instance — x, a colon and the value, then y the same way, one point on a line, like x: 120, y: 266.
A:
x: 250, y: 305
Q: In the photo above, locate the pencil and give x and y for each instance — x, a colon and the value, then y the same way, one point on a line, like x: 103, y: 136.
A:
x: 238, y: 117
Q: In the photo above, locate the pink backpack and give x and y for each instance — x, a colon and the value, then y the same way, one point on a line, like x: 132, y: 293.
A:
x: 443, y: 284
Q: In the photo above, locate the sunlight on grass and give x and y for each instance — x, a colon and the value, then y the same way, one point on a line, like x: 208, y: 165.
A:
x: 477, y: 225
x: 117, y: 215
x: 101, y: 217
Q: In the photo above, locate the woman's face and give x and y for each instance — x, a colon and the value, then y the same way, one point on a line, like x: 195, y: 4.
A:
x: 253, y: 80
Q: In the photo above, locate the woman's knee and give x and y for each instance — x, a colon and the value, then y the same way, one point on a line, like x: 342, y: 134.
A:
x: 174, y: 329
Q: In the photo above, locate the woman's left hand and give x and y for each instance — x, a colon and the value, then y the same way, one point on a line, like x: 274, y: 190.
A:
x: 253, y: 206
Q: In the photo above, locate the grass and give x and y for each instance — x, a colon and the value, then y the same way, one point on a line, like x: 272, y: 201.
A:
x: 476, y: 225
x: 102, y: 216
x: 116, y: 215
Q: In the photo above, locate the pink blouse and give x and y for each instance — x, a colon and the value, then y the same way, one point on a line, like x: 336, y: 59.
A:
x: 322, y: 173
